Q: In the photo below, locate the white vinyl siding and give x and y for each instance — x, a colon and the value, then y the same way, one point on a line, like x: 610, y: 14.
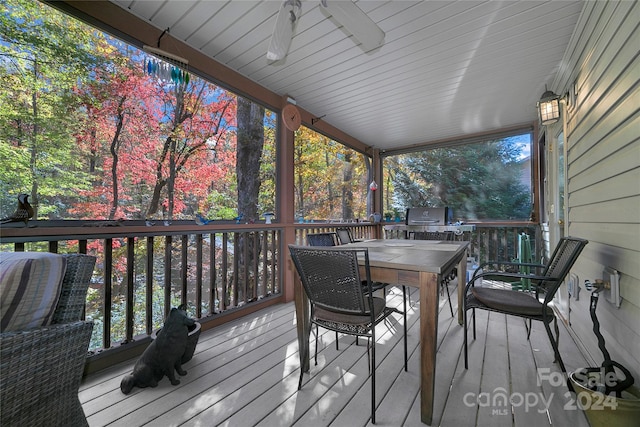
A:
x: 603, y: 170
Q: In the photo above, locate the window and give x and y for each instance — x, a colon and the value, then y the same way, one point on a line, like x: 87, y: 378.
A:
x: 480, y: 180
x: 331, y: 180
x: 90, y: 132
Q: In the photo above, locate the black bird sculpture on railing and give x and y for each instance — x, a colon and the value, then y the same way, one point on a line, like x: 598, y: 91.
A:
x: 23, y: 212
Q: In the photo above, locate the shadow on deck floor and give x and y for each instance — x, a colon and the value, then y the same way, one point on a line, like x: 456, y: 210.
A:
x: 245, y: 373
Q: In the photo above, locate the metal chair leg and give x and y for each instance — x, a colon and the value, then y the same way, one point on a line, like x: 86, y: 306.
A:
x: 464, y: 316
x: 555, y: 342
x: 404, y: 314
x: 373, y: 376
x: 473, y: 315
x: 446, y: 286
x: 315, y: 357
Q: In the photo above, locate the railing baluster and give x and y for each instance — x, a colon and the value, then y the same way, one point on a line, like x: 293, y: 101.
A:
x: 130, y: 283
x: 255, y: 237
x: 148, y: 268
x: 225, y: 276
x: 184, y: 266
x: 236, y: 270
x: 234, y: 292
x: 486, y: 245
x: 107, y: 298
x: 264, y: 275
x: 199, y: 275
x: 213, y: 289
x: 167, y: 274
x: 241, y: 272
x: 275, y: 271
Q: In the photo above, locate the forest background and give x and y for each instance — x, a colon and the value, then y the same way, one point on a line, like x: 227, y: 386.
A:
x: 91, y: 134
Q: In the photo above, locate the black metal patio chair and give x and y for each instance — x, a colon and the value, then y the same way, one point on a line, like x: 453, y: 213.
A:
x: 332, y: 239
x: 345, y: 236
x: 332, y: 281
x: 322, y: 239
x: 545, y: 281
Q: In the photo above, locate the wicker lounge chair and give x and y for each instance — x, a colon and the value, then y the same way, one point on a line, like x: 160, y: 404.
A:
x: 41, y: 368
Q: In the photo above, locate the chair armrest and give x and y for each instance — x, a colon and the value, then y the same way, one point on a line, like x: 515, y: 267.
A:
x: 504, y: 269
x: 40, y: 373
x: 511, y: 264
x: 505, y: 275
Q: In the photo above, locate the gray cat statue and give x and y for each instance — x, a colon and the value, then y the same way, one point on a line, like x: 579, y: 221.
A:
x: 163, y: 354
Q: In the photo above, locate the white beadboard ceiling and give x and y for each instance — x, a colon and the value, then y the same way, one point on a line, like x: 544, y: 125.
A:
x: 447, y: 68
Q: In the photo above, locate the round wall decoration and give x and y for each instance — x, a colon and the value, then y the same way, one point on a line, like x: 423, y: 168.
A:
x: 291, y: 117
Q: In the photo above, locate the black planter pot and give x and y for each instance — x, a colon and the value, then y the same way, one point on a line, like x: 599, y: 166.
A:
x: 192, y: 341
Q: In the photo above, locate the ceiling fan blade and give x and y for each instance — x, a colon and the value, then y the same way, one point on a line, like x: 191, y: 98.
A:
x: 283, y: 31
x: 355, y: 21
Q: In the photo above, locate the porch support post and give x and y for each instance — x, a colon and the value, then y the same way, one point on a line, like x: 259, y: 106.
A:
x: 376, y: 163
x: 286, y: 203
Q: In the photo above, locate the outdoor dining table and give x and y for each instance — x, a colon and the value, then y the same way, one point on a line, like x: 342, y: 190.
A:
x: 417, y: 263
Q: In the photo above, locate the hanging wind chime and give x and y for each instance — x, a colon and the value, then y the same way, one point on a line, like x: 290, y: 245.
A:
x: 164, y: 65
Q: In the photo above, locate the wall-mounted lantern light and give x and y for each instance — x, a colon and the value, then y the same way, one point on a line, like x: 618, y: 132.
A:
x: 549, y: 108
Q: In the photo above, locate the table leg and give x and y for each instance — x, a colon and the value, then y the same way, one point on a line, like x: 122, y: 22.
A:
x: 303, y: 325
x: 429, y: 284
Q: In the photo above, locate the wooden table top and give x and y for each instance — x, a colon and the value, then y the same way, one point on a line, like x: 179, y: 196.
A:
x: 433, y: 256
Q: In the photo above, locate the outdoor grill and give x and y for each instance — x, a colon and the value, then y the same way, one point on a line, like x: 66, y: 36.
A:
x: 427, y: 216
x: 427, y: 219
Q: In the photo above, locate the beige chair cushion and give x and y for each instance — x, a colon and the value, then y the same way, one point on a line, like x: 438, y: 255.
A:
x: 30, y: 284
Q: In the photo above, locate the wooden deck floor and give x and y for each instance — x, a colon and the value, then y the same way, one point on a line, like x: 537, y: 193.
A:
x: 246, y: 373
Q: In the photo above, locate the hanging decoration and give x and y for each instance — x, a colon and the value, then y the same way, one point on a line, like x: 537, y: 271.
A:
x: 373, y: 186
x: 165, y: 66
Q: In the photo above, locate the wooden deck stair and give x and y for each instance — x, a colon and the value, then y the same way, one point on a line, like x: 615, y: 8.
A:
x: 245, y: 373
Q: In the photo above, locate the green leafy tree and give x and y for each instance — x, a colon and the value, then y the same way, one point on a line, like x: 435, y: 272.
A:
x: 330, y: 179
x: 479, y: 181
x: 267, y: 195
x: 40, y: 62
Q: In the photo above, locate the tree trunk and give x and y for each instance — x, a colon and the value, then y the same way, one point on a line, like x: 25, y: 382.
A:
x: 115, y: 147
x: 347, y: 191
x: 249, y: 152
x: 35, y: 202
x: 250, y: 118
x: 330, y: 194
